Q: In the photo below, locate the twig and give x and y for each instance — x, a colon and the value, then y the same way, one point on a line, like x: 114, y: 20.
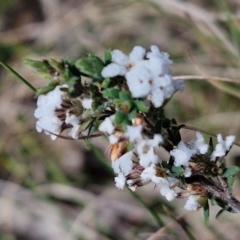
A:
x: 216, y: 192
x: 208, y: 78
x: 200, y: 130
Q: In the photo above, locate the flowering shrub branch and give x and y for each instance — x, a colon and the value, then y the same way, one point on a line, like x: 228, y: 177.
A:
x: 123, y: 97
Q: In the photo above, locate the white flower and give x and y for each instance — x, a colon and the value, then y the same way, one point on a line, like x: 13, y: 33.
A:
x: 138, y: 81
x: 147, y: 158
x: 147, y: 74
x: 155, y: 55
x: 47, y: 119
x: 121, y: 63
x: 74, y: 121
x: 106, y: 126
x: 87, y: 103
x: 188, y: 172
x: 123, y: 164
x: 222, y: 146
x: 112, y: 70
x: 149, y: 174
x: 157, y: 139
x: 182, y: 154
x: 192, y: 203
x: 120, y: 181
x: 113, y: 139
x: 134, y: 133
x: 200, y: 145
x: 166, y: 191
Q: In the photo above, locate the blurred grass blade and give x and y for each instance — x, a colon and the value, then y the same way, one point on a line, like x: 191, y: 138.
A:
x: 18, y: 76
x: 151, y: 211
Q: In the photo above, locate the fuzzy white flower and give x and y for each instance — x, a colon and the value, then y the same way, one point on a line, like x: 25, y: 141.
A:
x: 121, y: 63
x: 149, y: 174
x: 222, y: 147
x: 106, y: 126
x: 45, y: 113
x: 113, y: 139
x: 87, y: 103
x: 192, y: 203
x: 200, y: 145
x: 120, y: 181
x: 166, y: 191
x: 123, y: 164
x: 74, y: 121
x: 138, y: 80
x: 188, y: 172
x: 148, y: 157
x: 134, y: 133
x: 182, y: 154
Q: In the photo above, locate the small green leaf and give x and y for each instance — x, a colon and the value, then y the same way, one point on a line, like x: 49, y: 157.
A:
x: 231, y: 171
x: 42, y: 67
x: 46, y: 89
x: 111, y: 93
x: 219, y: 213
x: 58, y: 66
x: 125, y: 96
x: 206, y: 212
x: 141, y: 106
x: 125, y: 106
x: 177, y: 171
x: 119, y: 118
x: 108, y: 57
x: 105, y: 83
x: 132, y: 114
x: 91, y: 66
x: 230, y: 181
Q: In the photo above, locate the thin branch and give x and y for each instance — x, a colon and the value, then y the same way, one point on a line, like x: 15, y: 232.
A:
x: 216, y: 192
x: 80, y: 138
x: 208, y: 78
x: 200, y: 130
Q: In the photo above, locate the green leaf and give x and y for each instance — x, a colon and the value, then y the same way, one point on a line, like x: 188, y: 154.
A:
x: 91, y: 66
x: 231, y: 171
x: 105, y: 83
x: 206, y: 212
x: 107, y: 57
x: 125, y: 96
x: 58, y: 66
x: 141, y: 106
x: 219, y: 213
x: 125, y: 106
x: 42, y: 67
x: 119, y: 118
x: 230, y: 181
x: 111, y: 93
x: 177, y: 171
x: 132, y: 114
x: 46, y: 89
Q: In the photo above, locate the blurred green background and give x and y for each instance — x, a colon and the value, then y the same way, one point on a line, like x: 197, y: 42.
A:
x: 58, y: 189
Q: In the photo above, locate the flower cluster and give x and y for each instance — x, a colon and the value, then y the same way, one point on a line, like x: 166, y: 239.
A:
x: 123, y: 97
x: 147, y: 74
